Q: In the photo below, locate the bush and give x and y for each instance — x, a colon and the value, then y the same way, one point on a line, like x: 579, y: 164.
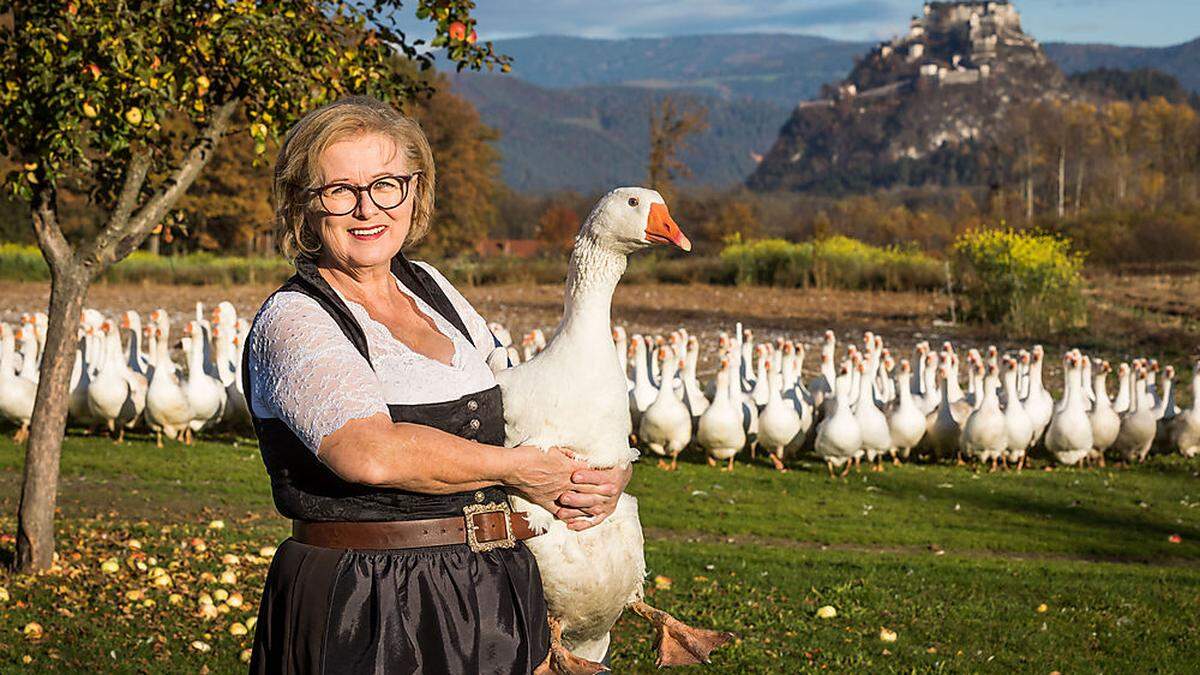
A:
x: 25, y: 263
x: 1027, y: 282
x: 835, y: 262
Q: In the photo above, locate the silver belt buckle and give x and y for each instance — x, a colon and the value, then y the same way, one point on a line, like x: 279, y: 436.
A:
x: 472, y: 510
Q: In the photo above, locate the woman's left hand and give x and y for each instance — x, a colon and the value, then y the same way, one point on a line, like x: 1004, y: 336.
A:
x: 593, y: 497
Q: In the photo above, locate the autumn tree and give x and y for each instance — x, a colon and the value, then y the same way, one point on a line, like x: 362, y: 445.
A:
x: 467, y: 170
x: 558, y: 224
x: 89, y: 87
x: 670, y: 127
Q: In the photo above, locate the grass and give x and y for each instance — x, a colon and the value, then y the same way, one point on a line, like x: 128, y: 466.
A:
x: 955, y: 563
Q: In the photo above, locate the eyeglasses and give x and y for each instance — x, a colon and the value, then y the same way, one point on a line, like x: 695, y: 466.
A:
x: 386, y: 192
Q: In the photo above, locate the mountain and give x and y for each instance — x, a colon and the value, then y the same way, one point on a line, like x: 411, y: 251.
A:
x: 916, y: 109
x: 781, y: 68
x: 1182, y: 60
x: 573, y: 113
x: 584, y: 137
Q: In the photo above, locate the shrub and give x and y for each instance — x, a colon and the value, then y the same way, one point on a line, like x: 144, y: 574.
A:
x: 1027, y: 282
x: 25, y: 263
x: 835, y: 262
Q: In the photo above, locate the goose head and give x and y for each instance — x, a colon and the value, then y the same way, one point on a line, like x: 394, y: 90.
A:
x: 631, y: 218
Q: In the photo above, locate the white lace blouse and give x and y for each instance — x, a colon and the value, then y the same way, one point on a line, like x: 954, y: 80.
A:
x: 306, y: 372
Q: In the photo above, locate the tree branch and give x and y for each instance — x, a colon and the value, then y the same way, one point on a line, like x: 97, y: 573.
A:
x: 119, y: 238
x: 55, y: 248
x: 135, y: 177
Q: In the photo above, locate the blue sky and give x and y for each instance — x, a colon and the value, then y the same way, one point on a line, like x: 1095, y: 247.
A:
x: 1125, y: 22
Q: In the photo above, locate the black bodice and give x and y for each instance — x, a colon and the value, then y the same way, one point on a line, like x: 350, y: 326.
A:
x: 305, y: 489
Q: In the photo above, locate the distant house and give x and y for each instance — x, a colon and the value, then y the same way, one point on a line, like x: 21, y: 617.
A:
x: 517, y: 248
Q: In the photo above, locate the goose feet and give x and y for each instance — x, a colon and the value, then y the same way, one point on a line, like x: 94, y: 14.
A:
x: 678, y: 643
x: 711, y: 461
x: 729, y: 467
x: 562, y: 662
x: 778, y: 463
x: 662, y: 464
x: 22, y: 434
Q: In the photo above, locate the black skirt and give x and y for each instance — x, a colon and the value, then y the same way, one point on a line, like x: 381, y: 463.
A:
x: 339, y: 611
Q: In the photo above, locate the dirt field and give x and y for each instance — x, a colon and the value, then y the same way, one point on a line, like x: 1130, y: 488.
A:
x: 1130, y: 316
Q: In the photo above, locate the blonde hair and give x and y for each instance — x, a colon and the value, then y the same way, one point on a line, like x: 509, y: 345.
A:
x: 296, y: 168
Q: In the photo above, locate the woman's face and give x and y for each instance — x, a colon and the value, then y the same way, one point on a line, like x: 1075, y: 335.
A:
x: 367, y: 236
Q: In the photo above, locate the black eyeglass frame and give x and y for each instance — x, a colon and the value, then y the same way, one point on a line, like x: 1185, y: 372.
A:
x: 358, y: 190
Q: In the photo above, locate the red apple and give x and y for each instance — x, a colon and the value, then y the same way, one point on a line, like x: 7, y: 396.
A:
x: 458, y: 30
x: 472, y: 37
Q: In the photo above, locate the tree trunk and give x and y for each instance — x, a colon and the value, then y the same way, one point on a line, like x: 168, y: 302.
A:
x: 1062, y: 178
x: 1079, y: 189
x: 39, y: 491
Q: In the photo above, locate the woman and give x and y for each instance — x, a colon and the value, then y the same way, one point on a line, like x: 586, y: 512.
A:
x: 381, y: 427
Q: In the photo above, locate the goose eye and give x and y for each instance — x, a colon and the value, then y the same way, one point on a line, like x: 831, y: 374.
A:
x: 633, y: 201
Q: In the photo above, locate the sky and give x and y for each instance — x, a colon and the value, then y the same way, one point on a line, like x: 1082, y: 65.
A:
x: 1124, y: 22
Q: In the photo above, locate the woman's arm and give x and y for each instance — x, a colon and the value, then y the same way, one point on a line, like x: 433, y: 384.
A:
x: 376, y: 451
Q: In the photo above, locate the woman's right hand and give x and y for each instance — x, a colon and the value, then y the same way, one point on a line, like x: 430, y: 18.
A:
x: 542, y: 476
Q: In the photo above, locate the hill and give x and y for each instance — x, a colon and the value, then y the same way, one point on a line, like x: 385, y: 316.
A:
x: 583, y: 137
x: 1182, y: 60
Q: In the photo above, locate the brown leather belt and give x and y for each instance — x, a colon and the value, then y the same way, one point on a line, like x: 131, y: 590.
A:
x: 482, y: 527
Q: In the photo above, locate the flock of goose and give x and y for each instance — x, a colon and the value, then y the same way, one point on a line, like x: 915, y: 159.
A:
x: 122, y: 384
x: 870, y: 406
x: 867, y: 405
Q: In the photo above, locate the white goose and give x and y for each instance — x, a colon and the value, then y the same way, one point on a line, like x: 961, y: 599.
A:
x: 167, y: 408
x: 1137, y: 424
x: 16, y: 393
x: 693, y: 394
x: 874, y: 436
x: 1018, y: 426
x: 720, y: 431
x: 1184, y: 431
x: 839, y: 439
x: 591, y: 576
x: 985, y: 436
x: 1069, y: 436
x: 137, y: 359
x: 779, y: 427
x: 111, y: 396
x: 666, y: 426
x: 205, y: 393
x: 26, y: 336
x: 906, y: 422
x: 1039, y: 405
x: 1106, y: 423
x: 643, y: 392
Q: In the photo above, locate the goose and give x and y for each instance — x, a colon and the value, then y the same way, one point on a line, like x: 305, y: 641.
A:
x: 643, y: 392
x: 236, y: 411
x: 621, y: 343
x: 928, y: 401
x: 502, y: 334
x: 206, y: 395
x: 666, y: 426
x: 693, y: 396
x: 591, y: 576
x: 111, y: 397
x: 985, y: 435
x: 1138, y: 425
x: 137, y: 359
x: 821, y: 386
x: 943, y: 426
x: 17, y: 393
x: 168, y: 410
x: 761, y: 392
x: 720, y: 431
x: 1018, y: 427
x: 26, y: 336
x: 1184, y: 430
x: 906, y: 422
x: 794, y: 393
x: 82, y: 372
x: 779, y: 427
x: 1124, y: 387
x: 1069, y: 434
x: 839, y: 439
x: 1106, y: 423
x: 875, y: 438
x: 1039, y: 405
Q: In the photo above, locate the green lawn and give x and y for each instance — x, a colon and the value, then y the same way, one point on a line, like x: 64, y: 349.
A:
x: 956, y: 564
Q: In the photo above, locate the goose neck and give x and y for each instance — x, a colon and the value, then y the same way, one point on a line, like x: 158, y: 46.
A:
x: 592, y: 277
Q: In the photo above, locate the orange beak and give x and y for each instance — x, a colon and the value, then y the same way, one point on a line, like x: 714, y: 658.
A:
x: 661, y: 229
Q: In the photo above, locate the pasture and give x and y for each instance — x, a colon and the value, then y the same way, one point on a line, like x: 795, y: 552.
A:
x: 1065, y: 570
